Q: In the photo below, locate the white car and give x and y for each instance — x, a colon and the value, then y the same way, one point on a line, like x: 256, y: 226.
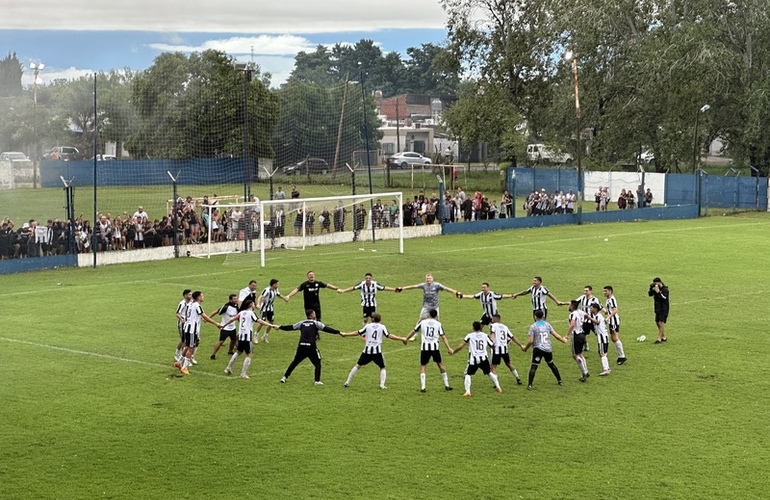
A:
x: 13, y: 156
x: 407, y: 158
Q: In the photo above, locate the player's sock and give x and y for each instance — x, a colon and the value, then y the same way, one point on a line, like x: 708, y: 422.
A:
x: 383, y: 375
x: 495, y: 381
x: 422, y: 381
x: 580, y: 365
x: 555, y: 371
x: 515, y: 373
x: 195, y: 351
x: 185, y: 363
x: 605, y: 363
x: 583, y: 364
x: 467, y: 383
x: 531, y: 377
x: 246, y: 364
x: 352, y: 374
x: 232, y: 361
x: 445, y: 378
x: 178, y: 354
x: 619, y: 349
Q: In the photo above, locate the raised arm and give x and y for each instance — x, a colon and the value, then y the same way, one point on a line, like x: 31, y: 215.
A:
x: 519, y: 294
x: 458, y: 348
x: 209, y: 320
x: 232, y: 320
x: 451, y: 290
x: 410, y: 287
x: 558, y: 302
x: 292, y: 294
x: 346, y: 290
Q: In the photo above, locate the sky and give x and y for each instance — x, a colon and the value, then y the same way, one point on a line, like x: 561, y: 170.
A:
x: 76, y: 37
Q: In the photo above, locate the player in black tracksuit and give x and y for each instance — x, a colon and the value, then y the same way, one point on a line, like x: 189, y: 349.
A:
x: 308, y: 335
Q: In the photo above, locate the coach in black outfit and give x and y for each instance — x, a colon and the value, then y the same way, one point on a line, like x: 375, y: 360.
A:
x: 310, y: 290
x: 659, y: 293
x: 309, y: 330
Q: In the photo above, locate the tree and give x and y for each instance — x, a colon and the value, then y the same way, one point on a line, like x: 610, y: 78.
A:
x: 10, y: 76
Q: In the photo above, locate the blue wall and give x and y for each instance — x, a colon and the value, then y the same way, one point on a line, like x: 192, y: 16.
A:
x: 143, y: 172
x: 36, y: 264
x: 550, y: 179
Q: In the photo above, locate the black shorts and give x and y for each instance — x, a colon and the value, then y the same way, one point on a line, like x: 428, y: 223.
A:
x: 226, y: 334
x: 244, y: 346
x: 603, y: 347
x: 191, y: 339
x: 537, y: 355
x: 578, y: 342
x: 496, y: 358
x: 180, y: 327
x: 485, y: 319
x: 268, y: 316
x: 613, y: 328
x: 484, y: 366
x: 369, y: 311
x: 589, y: 326
x: 377, y: 359
x: 661, y: 317
x: 426, y: 356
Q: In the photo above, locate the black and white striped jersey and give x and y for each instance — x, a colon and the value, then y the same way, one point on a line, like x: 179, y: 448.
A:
x: 503, y: 337
x: 268, y: 299
x: 579, y: 317
x: 369, y: 293
x: 246, y: 322
x: 611, y: 305
x: 192, y: 322
x: 539, y: 294
x: 586, y: 301
x: 600, y: 329
x: 181, y: 310
x: 372, y: 334
x: 488, y: 302
x: 477, y: 347
x: 430, y: 331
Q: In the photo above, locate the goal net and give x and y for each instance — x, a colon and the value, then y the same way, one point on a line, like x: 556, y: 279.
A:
x: 354, y: 223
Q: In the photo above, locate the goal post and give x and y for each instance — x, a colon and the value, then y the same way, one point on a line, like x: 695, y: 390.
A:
x: 231, y: 227
x: 363, y: 221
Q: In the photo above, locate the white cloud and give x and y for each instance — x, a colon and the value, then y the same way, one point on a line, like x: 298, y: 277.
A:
x: 50, y: 74
x: 223, y: 16
x: 261, y: 45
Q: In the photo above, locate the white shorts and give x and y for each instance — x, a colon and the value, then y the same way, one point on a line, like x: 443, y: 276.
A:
x: 424, y: 313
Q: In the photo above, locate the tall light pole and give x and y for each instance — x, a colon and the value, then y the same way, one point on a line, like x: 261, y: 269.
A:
x: 571, y: 56
x: 36, y: 68
x: 702, y: 109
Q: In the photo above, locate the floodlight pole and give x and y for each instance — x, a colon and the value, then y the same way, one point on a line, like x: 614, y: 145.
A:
x: 368, y: 156
x: 175, y: 222
x: 70, y: 207
x: 93, y: 229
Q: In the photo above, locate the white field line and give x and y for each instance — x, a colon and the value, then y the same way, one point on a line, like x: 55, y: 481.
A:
x: 105, y: 356
x: 158, y: 365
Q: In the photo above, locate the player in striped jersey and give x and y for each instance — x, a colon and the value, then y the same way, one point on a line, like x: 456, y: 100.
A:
x: 539, y: 294
x: 540, y: 339
x: 613, y: 321
x: 488, y: 300
x: 227, y: 311
x: 576, y: 320
x: 431, y: 330
x: 501, y: 336
x: 477, y: 342
x: 192, y: 329
x: 369, y: 290
x: 372, y: 334
x: 265, y: 303
x: 602, y: 338
x: 246, y: 319
x: 586, y: 300
x: 181, y: 314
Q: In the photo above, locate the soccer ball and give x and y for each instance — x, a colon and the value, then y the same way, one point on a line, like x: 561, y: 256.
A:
x: 641, y: 338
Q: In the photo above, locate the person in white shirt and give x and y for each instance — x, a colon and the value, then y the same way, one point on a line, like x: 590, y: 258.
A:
x: 477, y: 342
x: 141, y: 215
x: 246, y: 320
x: 372, y: 334
x: 431, y: 331
x: 501, y: 336
x: 192, y: 328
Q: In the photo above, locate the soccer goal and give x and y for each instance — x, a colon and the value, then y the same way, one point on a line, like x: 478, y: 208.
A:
x: 355, y: 223
x: 231, y: 228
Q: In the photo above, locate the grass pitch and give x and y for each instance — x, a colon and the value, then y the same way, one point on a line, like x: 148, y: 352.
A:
x: 91, y: 406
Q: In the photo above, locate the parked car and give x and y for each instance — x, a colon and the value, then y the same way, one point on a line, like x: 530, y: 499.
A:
x: 64, y: 153
x: 540, y: 153
x: 104, y: 158
x: 13, y: 156
x: 405, y: 159
x: 307, y: 166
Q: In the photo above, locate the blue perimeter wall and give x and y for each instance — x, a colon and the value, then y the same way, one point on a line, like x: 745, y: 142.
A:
x: 143, y: 172
x: 36, y: 264
x: 655, y: 213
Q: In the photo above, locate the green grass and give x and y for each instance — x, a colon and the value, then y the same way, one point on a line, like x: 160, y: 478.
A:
x: 91, y: 406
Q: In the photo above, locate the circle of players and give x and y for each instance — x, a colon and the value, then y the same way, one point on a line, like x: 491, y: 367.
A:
x: 238, y: 318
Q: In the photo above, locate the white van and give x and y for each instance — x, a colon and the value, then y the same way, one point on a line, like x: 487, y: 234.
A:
x: 542, y: 154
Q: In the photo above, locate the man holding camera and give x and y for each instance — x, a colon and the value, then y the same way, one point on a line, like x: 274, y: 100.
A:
x: 659, y: 293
